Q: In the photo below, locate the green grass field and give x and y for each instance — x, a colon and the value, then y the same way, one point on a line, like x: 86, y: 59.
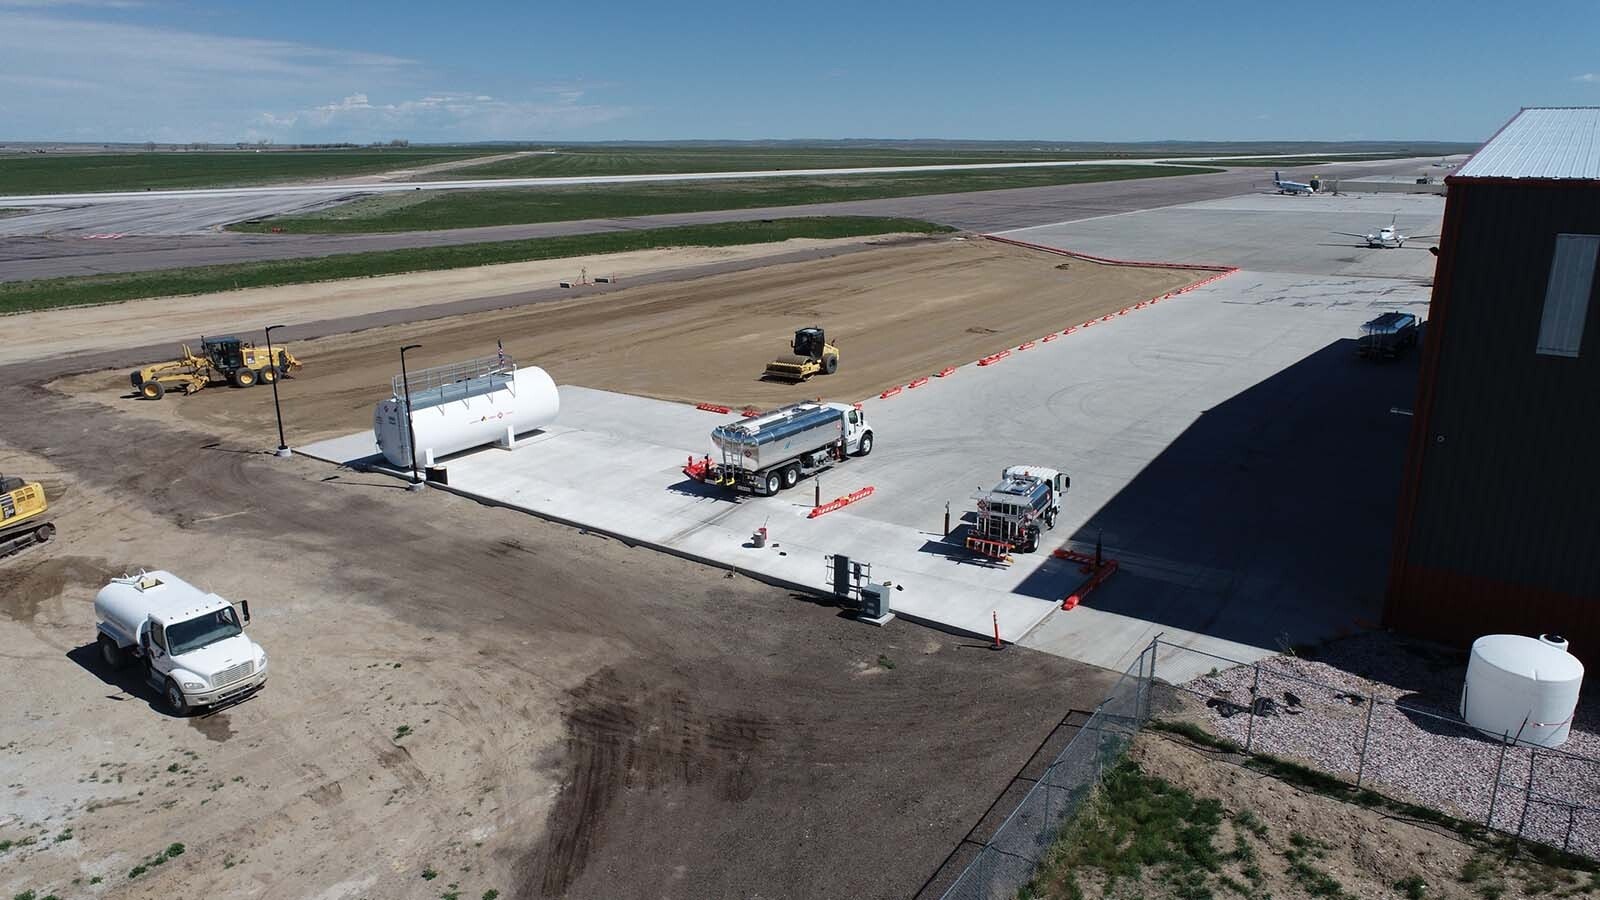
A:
x: 515, y: 206
x: 71, y: 173
x: 577, y: 161
x: 570, y: 161
x: 24, y: 296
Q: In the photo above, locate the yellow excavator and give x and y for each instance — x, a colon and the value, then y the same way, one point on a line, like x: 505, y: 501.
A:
x: 813, y: 355
x: 24, y: 519
x: 221, y: 359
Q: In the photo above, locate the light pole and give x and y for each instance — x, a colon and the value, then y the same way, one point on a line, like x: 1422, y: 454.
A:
x: 411, y: 436
x: 283, y: 446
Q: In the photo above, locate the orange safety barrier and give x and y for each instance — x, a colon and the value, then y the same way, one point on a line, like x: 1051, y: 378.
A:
x: 1027, y: 346
x: 1048, y: 338
x: 918, y: 382
x: 889, y: 393
x: 841, y: 502
x: 993, y: 358
x: 712, y: 407
x: 1070, y: 329
x: 750, y: 412
x: 946, y: 372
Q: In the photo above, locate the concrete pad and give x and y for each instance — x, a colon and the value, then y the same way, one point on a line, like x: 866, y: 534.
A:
x: 1263, y: 232
x: 350, y: 450
x: 1181, y: 425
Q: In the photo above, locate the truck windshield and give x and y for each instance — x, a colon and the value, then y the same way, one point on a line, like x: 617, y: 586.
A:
x: 201, y: 630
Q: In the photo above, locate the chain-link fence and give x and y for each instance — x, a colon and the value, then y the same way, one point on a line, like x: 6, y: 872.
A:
x: 1009, y: 859
x: 1377, y: 737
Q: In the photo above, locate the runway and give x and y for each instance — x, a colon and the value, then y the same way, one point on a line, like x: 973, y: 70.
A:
x: 25, y: 257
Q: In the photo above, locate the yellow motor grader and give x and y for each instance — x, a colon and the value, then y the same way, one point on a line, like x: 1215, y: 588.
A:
x: 221, y: 359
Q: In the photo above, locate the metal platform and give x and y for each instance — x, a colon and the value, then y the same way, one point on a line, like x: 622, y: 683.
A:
x: 456, y: 381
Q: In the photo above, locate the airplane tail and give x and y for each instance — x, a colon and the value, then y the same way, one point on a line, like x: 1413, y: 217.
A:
x: 1277, y: 176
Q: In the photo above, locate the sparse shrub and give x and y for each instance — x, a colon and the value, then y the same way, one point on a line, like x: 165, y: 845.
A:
x: 1413, y: 887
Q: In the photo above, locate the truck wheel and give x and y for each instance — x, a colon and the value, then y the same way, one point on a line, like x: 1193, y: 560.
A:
x: 111, y: 654
x: 1030, y: 541
x: 773, y: 483
x: 791, y: 476
x: 866, y: 445
x: 266, y: 374
x: 176, y: 702
x: 152, y: 390
x: 1049, y: 518
x: 830, y: 364
x: 242, y: 378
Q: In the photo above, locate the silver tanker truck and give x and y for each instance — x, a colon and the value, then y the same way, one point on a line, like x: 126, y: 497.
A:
x: 773, y: 451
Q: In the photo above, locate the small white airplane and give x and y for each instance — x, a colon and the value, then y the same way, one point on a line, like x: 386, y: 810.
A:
x: 1290, y: 187
x: 1387, y: 236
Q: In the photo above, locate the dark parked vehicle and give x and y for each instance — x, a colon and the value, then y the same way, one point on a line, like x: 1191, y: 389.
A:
x: 1388, y: 336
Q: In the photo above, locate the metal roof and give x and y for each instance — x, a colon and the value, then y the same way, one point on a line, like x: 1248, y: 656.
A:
x: 1542, y: 142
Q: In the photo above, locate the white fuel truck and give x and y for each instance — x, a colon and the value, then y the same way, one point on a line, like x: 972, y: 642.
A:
x: 192, y: 643
x: 1014, y: 514
x: 773, y: 451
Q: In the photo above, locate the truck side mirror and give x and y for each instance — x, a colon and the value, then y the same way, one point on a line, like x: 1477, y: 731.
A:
x: 244, y: 608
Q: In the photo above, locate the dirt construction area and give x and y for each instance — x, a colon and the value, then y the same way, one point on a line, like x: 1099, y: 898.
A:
x: 465, y: 700
x: 469, y: 702
x: 896, y: 313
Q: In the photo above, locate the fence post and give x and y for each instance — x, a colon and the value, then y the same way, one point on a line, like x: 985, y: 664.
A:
x: 1250, y: 724
x: 1499, y: 776
x: 1527, y: 791
x: 1366, y: 736
x: 1150, y: 680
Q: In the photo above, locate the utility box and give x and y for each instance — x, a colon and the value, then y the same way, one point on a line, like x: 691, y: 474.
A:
x: 875, y: 603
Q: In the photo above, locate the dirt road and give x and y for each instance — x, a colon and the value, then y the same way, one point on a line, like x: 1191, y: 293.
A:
x: 62, y: 332
x: 896, y: 312
x: 582, y: 718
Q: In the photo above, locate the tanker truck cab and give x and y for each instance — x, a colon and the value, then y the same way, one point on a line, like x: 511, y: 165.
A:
x: 192, y: 643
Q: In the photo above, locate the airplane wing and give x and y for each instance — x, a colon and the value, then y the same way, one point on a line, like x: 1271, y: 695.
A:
x: 1364, y: 237
x: 1421, y: 237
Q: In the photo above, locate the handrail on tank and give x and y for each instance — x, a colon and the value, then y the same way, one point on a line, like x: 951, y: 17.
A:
x: 456, y: 381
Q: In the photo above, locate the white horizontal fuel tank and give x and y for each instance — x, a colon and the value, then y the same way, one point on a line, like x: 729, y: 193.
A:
x: 453, y: 416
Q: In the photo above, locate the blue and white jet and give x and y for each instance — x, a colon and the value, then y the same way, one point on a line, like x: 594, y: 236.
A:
x: 1291, y: 187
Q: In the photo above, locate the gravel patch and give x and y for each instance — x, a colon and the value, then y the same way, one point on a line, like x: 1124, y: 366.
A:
x: 1418, y: 748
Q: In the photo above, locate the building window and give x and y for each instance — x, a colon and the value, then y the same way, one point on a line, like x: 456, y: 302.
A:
x: 1566, y: 297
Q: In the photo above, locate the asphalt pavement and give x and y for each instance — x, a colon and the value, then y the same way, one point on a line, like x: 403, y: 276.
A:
x: 81, y: 252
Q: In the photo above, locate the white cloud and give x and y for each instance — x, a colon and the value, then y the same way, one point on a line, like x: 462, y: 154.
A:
x: 71, y: 77
x: 443, y: 115
x: 92, y: 4
x: 1587, y: 77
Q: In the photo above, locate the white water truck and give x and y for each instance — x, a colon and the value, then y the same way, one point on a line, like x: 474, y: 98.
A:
x: 191, y: 643
x: 771, y: 452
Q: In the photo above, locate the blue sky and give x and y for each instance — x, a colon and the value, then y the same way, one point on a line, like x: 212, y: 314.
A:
x: 134, y: 70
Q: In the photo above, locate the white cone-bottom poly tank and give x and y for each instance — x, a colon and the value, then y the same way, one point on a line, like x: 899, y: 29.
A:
x: 1522, y: 687
x: 461, y: 415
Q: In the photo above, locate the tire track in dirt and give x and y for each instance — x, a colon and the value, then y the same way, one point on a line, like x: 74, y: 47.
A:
x: 625, y: 733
